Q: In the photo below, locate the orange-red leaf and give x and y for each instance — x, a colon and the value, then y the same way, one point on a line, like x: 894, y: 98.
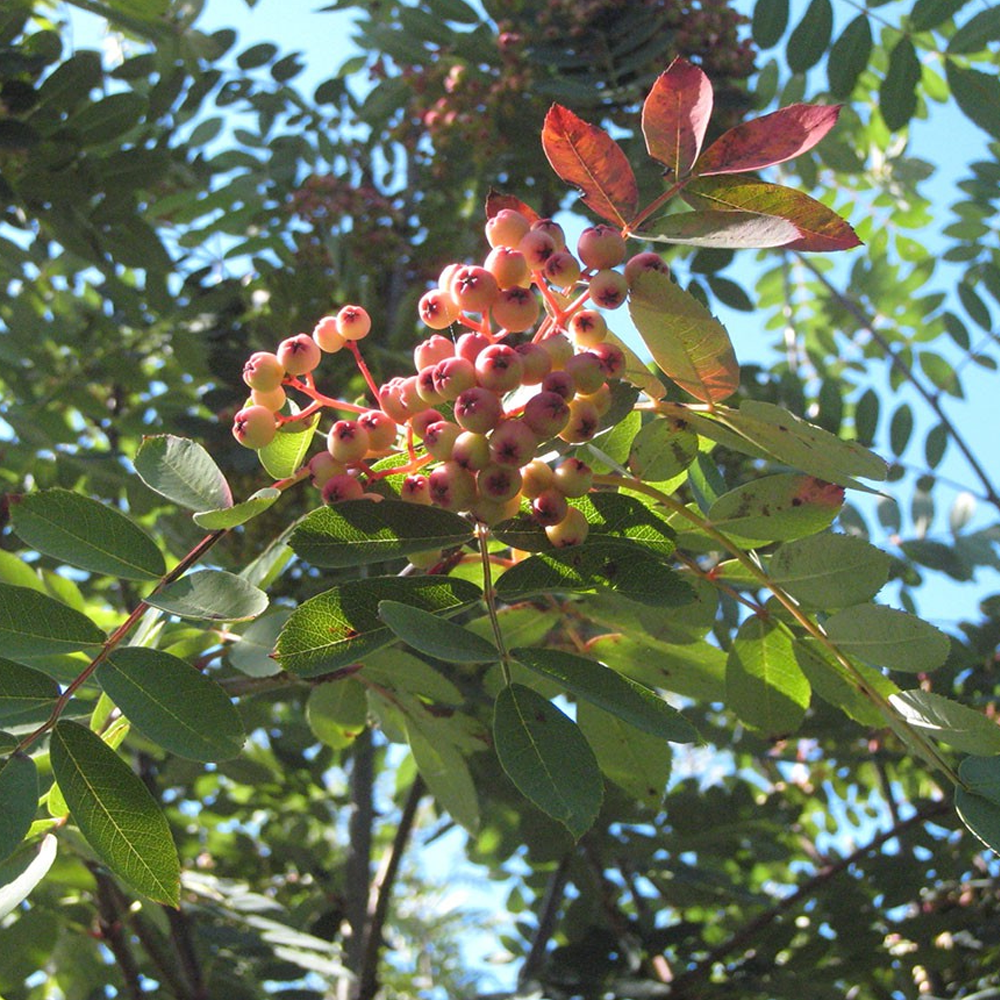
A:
x: 820, y: 228
x: 675, y: 116
x: 587, y: 157
x: 774, y: 138
x: 496, y: 202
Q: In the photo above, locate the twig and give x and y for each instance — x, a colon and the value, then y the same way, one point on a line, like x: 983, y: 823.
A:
x: 548, y: 915
x: 358, y: 866
x: 109, y: 918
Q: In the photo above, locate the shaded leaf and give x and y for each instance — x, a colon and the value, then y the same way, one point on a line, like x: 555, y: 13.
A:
x: 86, y: 534
x: 212, y: 595
x: 948, y: 721
x: 978, y: 798
x: 770, y: 18
x: 816, y: 227
x: 341, y: 626
x: 337, y: 712
x: 898, y: 93
x: 976, y: 34
x: 173, y: 704
x: 686, y: 341
x: 636, y: 371
x: 25, y: 694
x: 770, y: 139
x: 631, y: 702
x: 182, y: 471
x: 810, y: 38
x: 35, y: 868
x: 115, y: 812
x: 927, y: 14
x: 18, y: 801
x: 777, y: 508
x: 675, y: 116
x: 849, y: 56
x: 443, y: 766
x: 765, y: 685
x: 547, y: 758
x: 32, y: 624
x: 587, y: 157
x: 357, y: 532
x: 888, y: 638
x: 229, y: 517
x: 435, y: 636
x: 830, y: 570
x: 726, y: 230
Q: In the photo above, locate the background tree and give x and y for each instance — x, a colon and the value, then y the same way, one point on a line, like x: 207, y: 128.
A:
x: 151, y: 244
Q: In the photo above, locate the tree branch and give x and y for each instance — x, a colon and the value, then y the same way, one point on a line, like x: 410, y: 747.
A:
x: 109, y: 920
x: 358, y: 866
x: 547, y: 917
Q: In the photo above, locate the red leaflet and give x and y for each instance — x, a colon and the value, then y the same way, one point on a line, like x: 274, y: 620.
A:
x: 496, y: 202
x: 587, y: 157
x: 776, y: 137
x: 675, y: 116
x: 819, y: 227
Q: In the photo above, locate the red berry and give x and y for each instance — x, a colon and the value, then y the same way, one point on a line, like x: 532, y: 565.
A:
x: 342, y: 487
x: 498, y: 482
x: 499, y: 368
x: 549, y: 507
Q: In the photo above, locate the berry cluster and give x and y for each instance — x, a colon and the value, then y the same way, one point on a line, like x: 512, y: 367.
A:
x: 526, y: 371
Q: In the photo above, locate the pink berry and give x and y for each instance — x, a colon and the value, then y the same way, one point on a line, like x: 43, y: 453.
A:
x: 474, y: 289
x: 423, y: 419
x: 415, y: 489
x: 254, y: 427
x: 573, y: 478
x: 646, y: 261
x: 343, y: 487
x: 478, y: 410
x: 453, y: 376
x: 584, y: 421
x: 611, y: 358
x: 549, y: 507
x: 353, y: 323
x: 452, y: 487
x: 431, y: 351
x: 537, y: 248
x: 498, y: 482
x: 323, y: 466
x: 608, y: 289
x: 562, y: 269
x: 327, y: 336
x: 347, y: 441
x: 588, y: 328
x: 469, y: 345
x: 546, y: 414
x: 499, y: 368
x: 513, y: 442
x: 535, y: 363
x: 561, y: 383
x: 427, y: 389
x: 263, y: 371
x: 506, y: 228
x: 381, y: 430
x: 601, y: 247
x: 439, y: 439
x: 437, y: 309
x: 516, y: 310
x: 588, y: 375
x: 471, y: 451
x: 552, y: 229
x: 508, y: 266
x: 298, y: 355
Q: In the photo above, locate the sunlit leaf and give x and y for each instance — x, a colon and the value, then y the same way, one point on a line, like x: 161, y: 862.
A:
x: 675, y: 116
x: 183, y: 471
x: 686, y: 341
x: 230, y: 517
x: 210, y: 594
x: 765, y: 686
x: 35, y: 867
x: 770, y: 139
x: 662, y: 449
x: 287, y: 451
x: 86, y: 534
x: 949, y: 722
x: 115, y: 812
x: 726, y: 229
x: 547, y: 758
x: 172, y: 703
x: 888, y: 637
x: 587, y: 157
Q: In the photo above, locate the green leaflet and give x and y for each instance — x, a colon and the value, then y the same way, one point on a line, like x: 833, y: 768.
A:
x: 87, y: 534
x: 443, y: 766
x: 115, y: 813
x: 830, y: 570
x: 183, y: 471
x: 337, y: 712
x: 547, y: 758
x: 978, y: 798
x: 686, y: 341
x: 173, y: 704
x: 341, y: 626
x: 229, y: 517
x: 889, y: 638
x: 948, y: 721
x: 777, y: 508
x: 765, y: 686
x: 898, y: 93
x: 18, y: 801
x: 633, y: 760
x: 285, y: 454
x: 613, y: 692
x: 662, y: 449
x: 359, y: 532
x: 212, y: 595
x: 26, y: 695
x: 32, y: 624
x: 811, y: 36
x: 435, y: 636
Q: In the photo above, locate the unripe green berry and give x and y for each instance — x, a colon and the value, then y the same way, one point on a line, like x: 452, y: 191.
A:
x: 559, y: 348
x: 254, y: 427
x: 601, y: 399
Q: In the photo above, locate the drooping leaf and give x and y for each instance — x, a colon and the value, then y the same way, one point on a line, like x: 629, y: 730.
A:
x: 173, y: 704
x: 830, y: 570
x: 86, y: 534
x: 587, y: 157
x: 849, y: 56
x: 230, y: 517
x: 287, y: 451
x: 33, y: 624
x: 765, y: 685
x: 443, y: 766
x: 615, y: 693
x: 777, y: 508
x: 633, y: 760
x: 341, y: 626
x: 675, y: 116
x: 810, y: 38
x: 618, y: 565
x: 337, y: 712
x: 18, y: 801
x: 182, y: 471
x: 25, y: 694
x: 770, y: 139
x: 547, y: 758
x: 949, y: 722
x: 434, y: 635
x: 898, y: 93
x: 724, y: 229
x: 662, y: 449
x: 817, y: 227
x: 977, y: 94
x: 686, y: 341
x: 35, y: 867
x: 888, y: 637
x: 358, y: 532
x: 115, y: 812
x: 212, y: 595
